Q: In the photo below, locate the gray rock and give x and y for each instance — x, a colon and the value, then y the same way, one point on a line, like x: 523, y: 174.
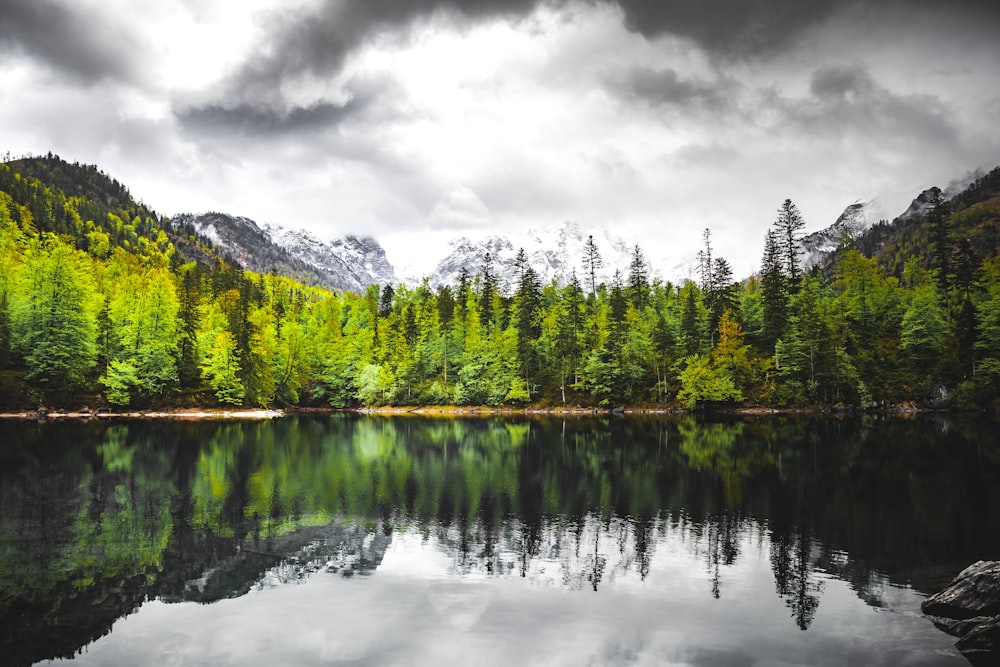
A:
x: 969, y: 608
x: 981, y: 646
x: 974, y: 592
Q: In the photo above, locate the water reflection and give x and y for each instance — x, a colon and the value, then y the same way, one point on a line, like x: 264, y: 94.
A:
x: 97, y: 518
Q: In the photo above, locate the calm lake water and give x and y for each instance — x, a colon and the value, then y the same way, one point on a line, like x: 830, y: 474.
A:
x: 411, y: 541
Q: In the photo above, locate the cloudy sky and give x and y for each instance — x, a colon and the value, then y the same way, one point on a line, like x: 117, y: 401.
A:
x: 422, y: 120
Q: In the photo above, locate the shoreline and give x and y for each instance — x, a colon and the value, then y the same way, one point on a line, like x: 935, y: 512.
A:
x: 256, y: 414
x: 260, y: 414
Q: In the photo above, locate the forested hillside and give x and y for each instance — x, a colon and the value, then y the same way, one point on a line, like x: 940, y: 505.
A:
x: 104, y: 302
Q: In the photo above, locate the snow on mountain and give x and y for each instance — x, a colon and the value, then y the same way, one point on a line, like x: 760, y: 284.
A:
x: 349, y: 263
x: 355, y: 262
x: 921, y: 205
x: 554, y: 252
x: 857, y: 218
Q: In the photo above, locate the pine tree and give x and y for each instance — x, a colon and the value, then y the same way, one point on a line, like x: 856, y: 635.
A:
x: 723, y: 292
x: 773, y: 284
x: 924, y: 332
x: 527, y: 302
x: 55, y: 320
x: 937, y: 218
x: 691, y: 330
x: 638, y: 279
x: 788, y: 228
x: 705, y: 262
x: 521, y: 264
x: 385, y: 301
x: 591, y: 262
x: 488, y: 288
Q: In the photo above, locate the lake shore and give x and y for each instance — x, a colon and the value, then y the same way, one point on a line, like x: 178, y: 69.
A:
x: 207, y: 413
x: 183, y: 413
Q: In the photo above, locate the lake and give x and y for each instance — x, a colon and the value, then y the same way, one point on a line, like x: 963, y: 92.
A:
x: 369, y: 540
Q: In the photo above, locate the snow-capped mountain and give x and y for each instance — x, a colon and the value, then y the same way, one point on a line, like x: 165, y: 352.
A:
x: 855, y: 220
x: 554, y: 252
x: 921, y: 205
x: 357, y: 262
x: 350, y: 263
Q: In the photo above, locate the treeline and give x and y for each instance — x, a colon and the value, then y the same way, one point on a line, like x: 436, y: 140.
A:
x: 94, y: 306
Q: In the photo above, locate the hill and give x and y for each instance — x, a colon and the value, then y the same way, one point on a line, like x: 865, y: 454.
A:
x: 955, y: 234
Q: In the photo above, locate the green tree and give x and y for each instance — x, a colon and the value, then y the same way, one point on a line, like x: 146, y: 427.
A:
x: 694, y: 319
x: 701, y: 380
x: 788, y: 232
x: 774, y: 292
x: 592, y: 262
x: 142, y: 312
x: 986, y: 381
x: 55, y: 316
x: 924, y: 335
x: 525, y: 315
x: 220, y: 366
x: 638, y: 279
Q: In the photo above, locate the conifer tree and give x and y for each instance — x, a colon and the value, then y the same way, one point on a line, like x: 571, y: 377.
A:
x: 788, y: 227
x: 705, y: 262
x: 591, y: 262
x: 937, y: 218
x: 385, y: 301
x: 488, y: 288
x: 638, y: 279
x: 55, y: 319
x: 773, y: 284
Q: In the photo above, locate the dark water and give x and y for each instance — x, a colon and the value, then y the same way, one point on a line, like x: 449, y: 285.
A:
x: 377, y: 541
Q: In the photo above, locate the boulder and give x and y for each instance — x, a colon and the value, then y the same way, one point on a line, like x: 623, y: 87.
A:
x: 969, y: 608
x: 981, y: 645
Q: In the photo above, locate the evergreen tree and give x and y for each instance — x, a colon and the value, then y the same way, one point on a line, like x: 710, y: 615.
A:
x: 385, y: 301
x: 923, y: 336
x: 521, y: 264
x: 488, y: 290
x: 570, y: 333
x: 691, y: 319
x: 705, y: 263
x: 723, y: 292
x: 774, y: 294
x: 190, y: 298
x: 937, y: 219
x: 525, y: 314
x: 638, y: 279
x: 591, y: 262
x: 54, y: 319
x: 617, y: 300
x: 788, y: 232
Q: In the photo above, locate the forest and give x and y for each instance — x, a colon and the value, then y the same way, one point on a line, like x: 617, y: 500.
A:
x: 105, y: 303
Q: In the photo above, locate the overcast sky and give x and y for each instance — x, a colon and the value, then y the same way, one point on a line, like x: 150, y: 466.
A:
x: 422, y: 120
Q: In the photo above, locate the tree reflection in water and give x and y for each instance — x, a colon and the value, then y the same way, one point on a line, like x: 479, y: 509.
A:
x: 94, y: 518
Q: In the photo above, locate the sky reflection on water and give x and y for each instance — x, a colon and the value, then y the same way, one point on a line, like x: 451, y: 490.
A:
x: 373, y: 541
x: 426, y: 604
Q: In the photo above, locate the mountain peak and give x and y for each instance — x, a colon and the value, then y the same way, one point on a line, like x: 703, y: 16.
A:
x: 554, y: 252
x: 348, y: 263
x: 856, y: 219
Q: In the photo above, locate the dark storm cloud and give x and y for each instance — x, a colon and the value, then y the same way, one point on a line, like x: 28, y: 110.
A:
x: 839, y: 83
x: 84, y: 47
x: 316, y: 42
x: 665, y: 87
x: 747, y: 27
x: 246, y: 119
x: 849, y: 98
